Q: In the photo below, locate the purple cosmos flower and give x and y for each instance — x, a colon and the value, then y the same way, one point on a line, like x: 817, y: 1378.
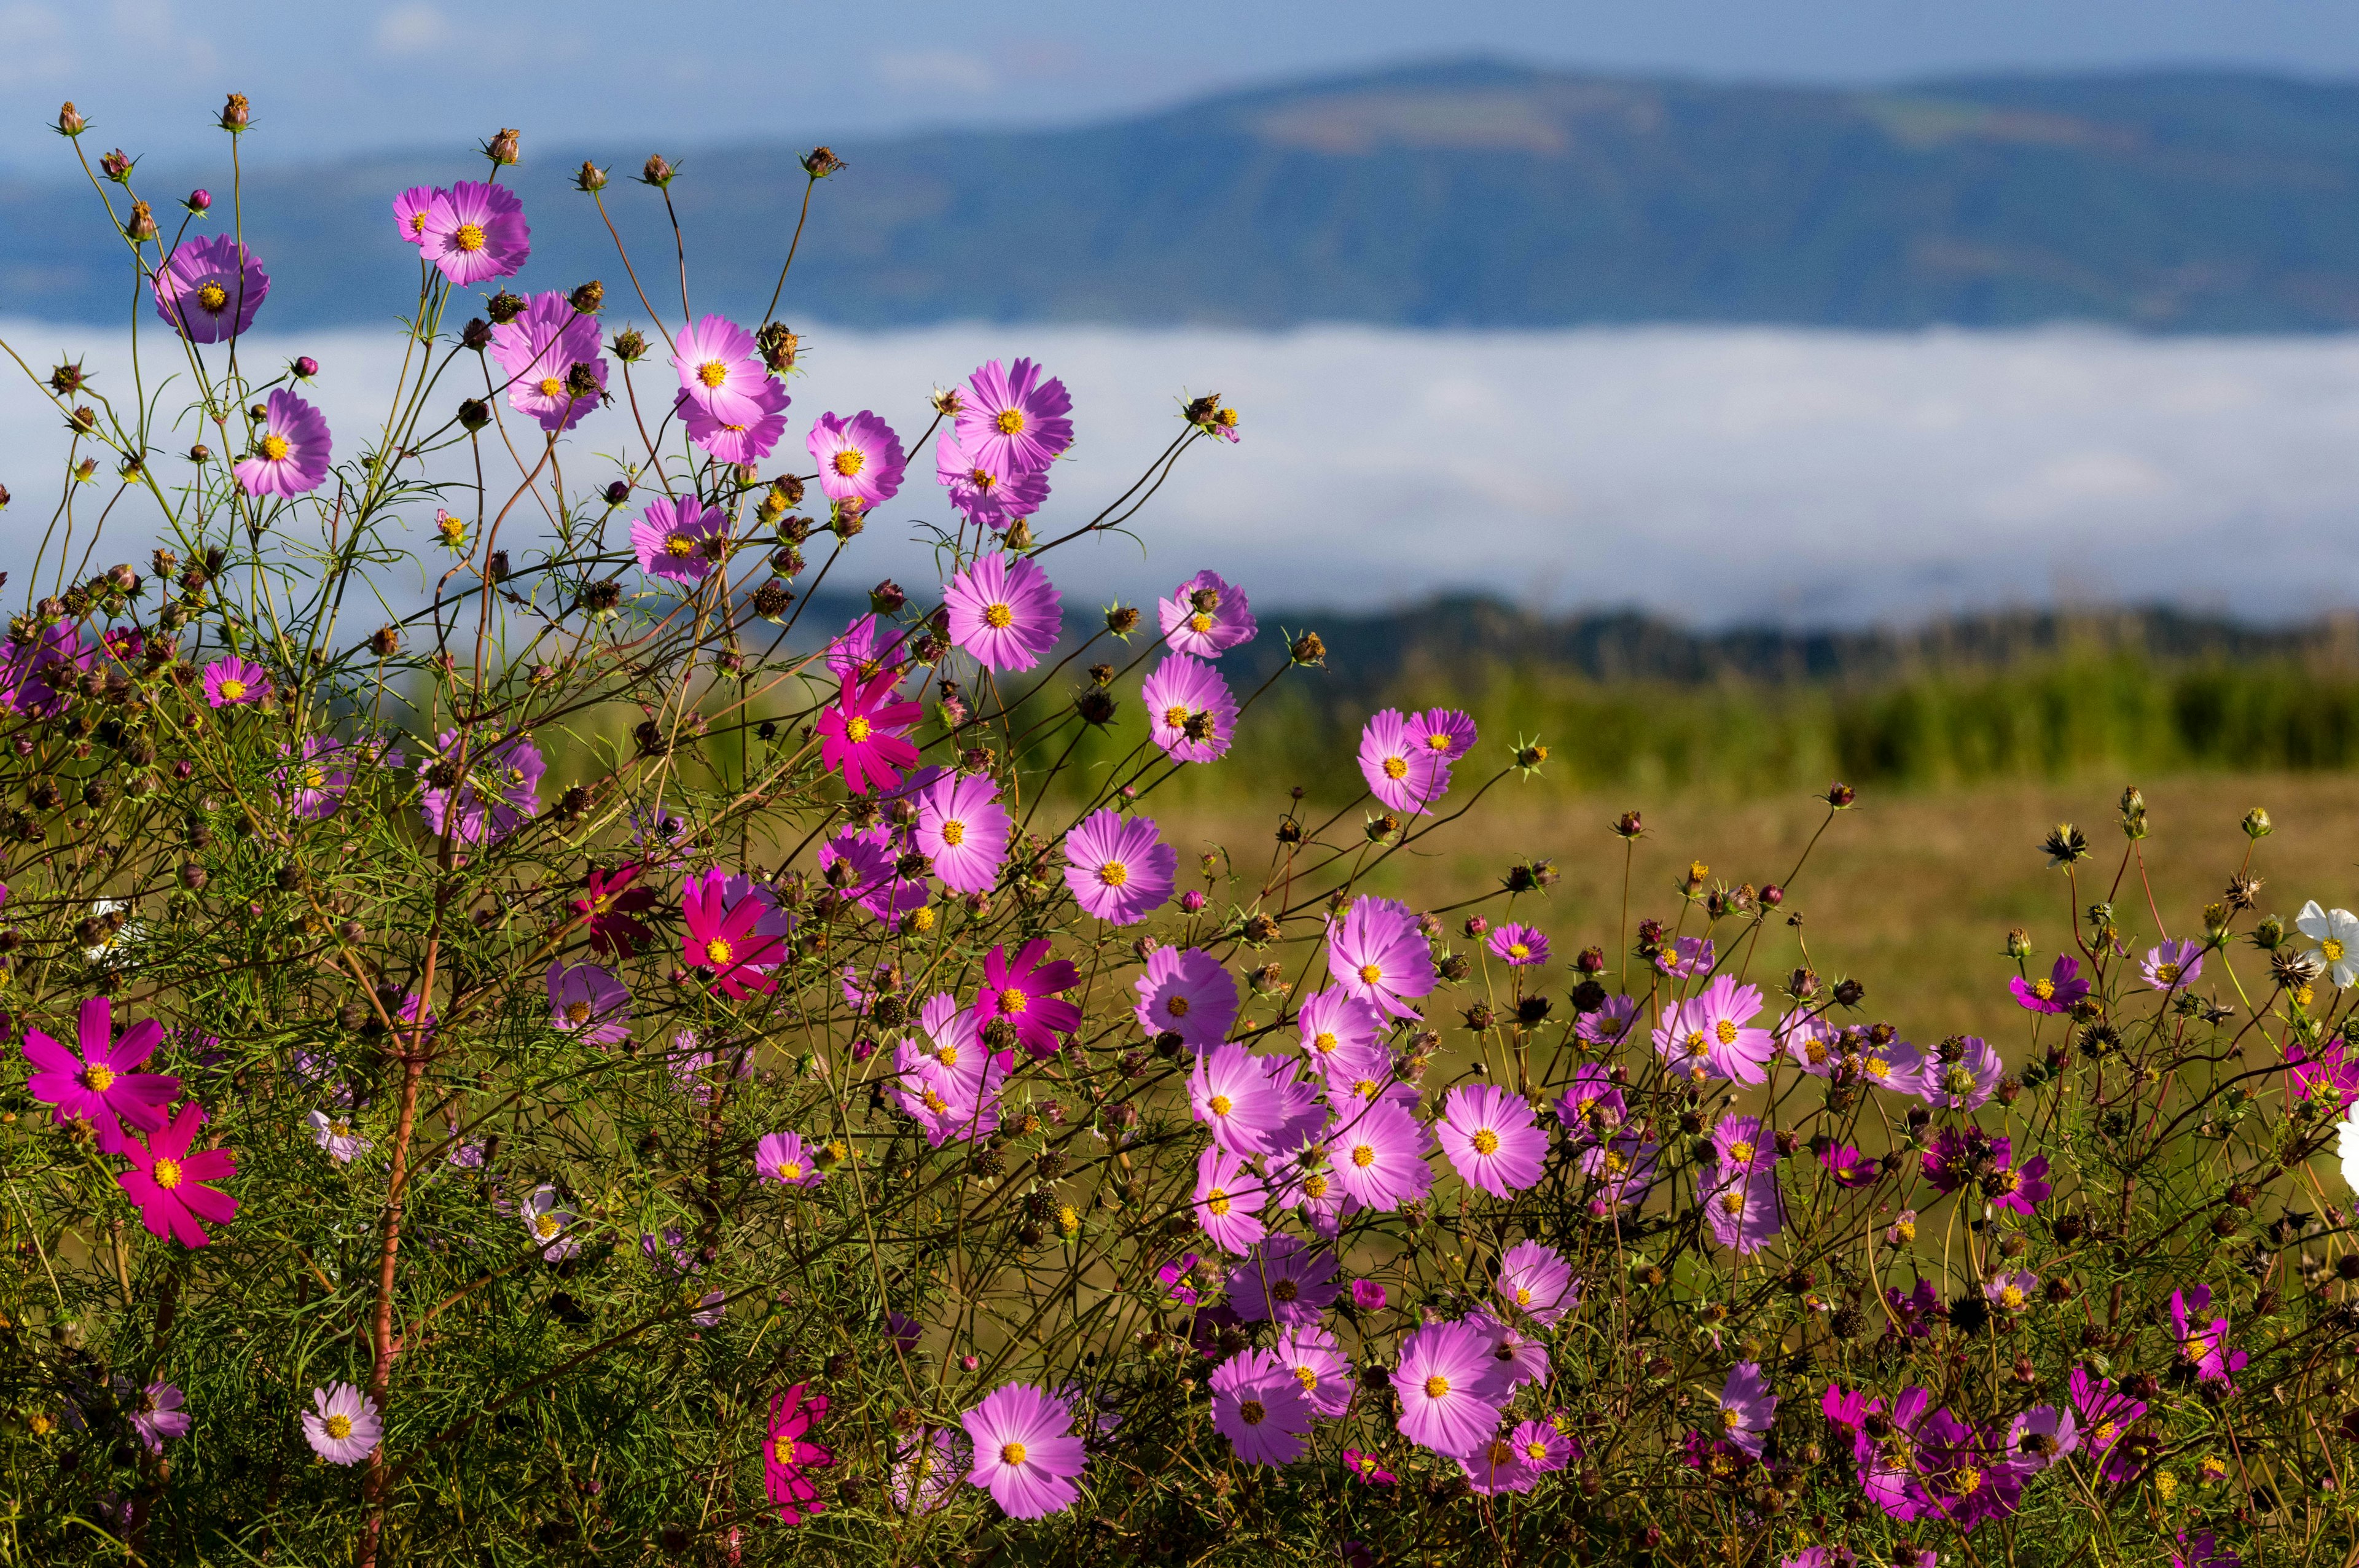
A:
x: 1850, y: 1167
x: 1119, y: 868
x: 1011, y: 421
x: 736, y: 439
x: 156, y: 1414
x: 1400, y: 771
x: 475, y: 232
x: 410, y: 211
x: 317, y: 776
x: 1518, y: 946
x: 788, y: 1454
x: 1739, y: 1148
x: 210, y: 289
x: 98, y: 1084
x: 2018, y: 1190
x: 1915, y: 1314
x: 2040, y: 1436
x: 1025, y: 992
x: 862, y: 735
x: 680, y: 539
x: 234, y: 681
x: 1747, y: 1213
x: 1229, y: 1091
x: 1186, y: 993
x: 720, y: 370
x: 1260, y: 1408
x: 1311, y: 1355
x: 925, y: 1470
x: 342, y: 1426
x: 1380, y: 1154
x: 1175, y: 1275
x: 1332, y: 1022
x: 1492, y: 1138
x: 1284, y: 1282
x: 1451, y: 1386
x: 1444, y: 732
x: 1522, y: 1359
x: 539, y: 350
x: 2202, y: 1550
x: 171, y: 1185
x: 1964, y: 1083
x: 1229, y: 1198
x: 1026, y: 1455
x: 2204, y: 1346
x: 548, y: 1221
x: 1708, y: 1035
x: 588, y: 1003
x: 1539, y: 1282
x: 2332, y: 1072
x: 35, y: 675
x: 988, y: 500
x: 1847, y: 1411
x: 1208, y: 629
x: 2105, y: 1414
x: 498, y: 791
x: 963, y: 829
x: 1543, y: 1447
x: 1623, y: 1168
x: 1005, y: 611
x: 2173, y: 964
x: 1367, y: 1296
x: 290, y: 452
x: 877, y: 885
x: 952, y: 1089
x: 1812, y: 1043
x: 1963, y: 1474
x: 335, y: 1134
x: 1366, y: 1470
x: 859, y: 458
x: 2057, y: 992
x: 669, y: 1252
x: 1377, y: 954
x: 1496, y: 1466
x: 1687, y: 956
x: 1745, y: 1407
x: 2011, y: 1293
x: 856, y: 653
x: 1190, y: 712
x: 1593, y: 1108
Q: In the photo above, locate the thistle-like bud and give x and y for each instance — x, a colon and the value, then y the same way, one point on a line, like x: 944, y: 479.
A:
x: 886, y: 598
x: 581, y: 383
x: 630, y: 345
x: 2257, y: 824
x: 2269, y: 934
x: 657, y: 171
x: 83, y: 420
x: 142, y: 227
x: 1095, y: 707
x: 504, y: 307
x: 2133, y: 813
x: 779, y: 346
x: 502, y: 148
x: 117, y: 165
x: 1309, y: 650
x: 820, y: 162
x: 474, y: 413
x: 70, y: 121
x: 599, y: 597
x: 1121, y: 619
x: 1627, y: 826
x: 1840, y: 795
x: 2018, y: 943
x: 2064, y: 846
x: 386, y: 640
x: 850, y: 518
x: 771, y: 600
x: 589, y: 297
x: 235, y: 114
x: 67, y: 379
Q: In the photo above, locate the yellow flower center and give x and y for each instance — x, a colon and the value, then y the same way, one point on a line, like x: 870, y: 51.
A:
x: 850, y: 461
x: 418, y: 221
x: 1740, y: 1152
x: 1370, y: 973
x: 1486, y: 1141
x: 1520, y: 949
x: 1364, y: 1155
x: 1314, y: 1187
x: 1176, y: 715
x: 2011, y: 1297
x: 274, y: 447
x: 1367, y: 1088
x: 1523, y: 1296
x: 2167, y: 973
x: 1615, y: 1162
x: 214, y: 297
x: 1536, y: 1451
x: 719, y: 952
x: 312, y: 777
x: 953, y: 833
x: 1323, y: 1042
x: 97, y: 1079
x: 339, y: 1426
x: 1010, y: 421
x: 1220, y: 1104
x: 782, y: 1449
x: 1725, y: 1031
x: 947, y: 1056
x: 1217, y: 1201
x: 1968, y: 1480
x: 1250, y: 1411
x: 713, y: 373
x: 1285, y: 1291
x: 551, y: 387
x: 546, y: 1226
x: 1695, y: 1039
x: 1113, y: 874
x: 856, y: 728
x: 1011, y: 1453
x: 1199, y: 623
x: 790, y: 1169
x: 1177, y: 1007
x: 1395, y: 768
x: 933, y: 1102
x: 1013, y: 1001
x: 1501, y: 1452
x: 577, y: 1013
x: 998, y: 616
x: 232, y: 690
x: 2333, y: 950
x: 2198, y: 1347
x: 678, y: 547
x: 2106, y: 1432
x: 1732, y: 1204
x: 469, y: 237
x: 1877, y: 1067
x: 1436, y: 1386
x: 167, y: 1173
x: 1309, y: 1377
x: 2044, y: 990
x: 1730, y: 1420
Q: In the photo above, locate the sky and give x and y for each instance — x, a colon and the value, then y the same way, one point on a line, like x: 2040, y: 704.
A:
x: 356, y: 74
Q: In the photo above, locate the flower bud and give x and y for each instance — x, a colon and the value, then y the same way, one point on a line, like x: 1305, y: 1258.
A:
x: 778, y: 346
x: 2257, y: 824
x: 588, y: 178
x: 1309, y: 649
x: 142, y: 227
x: 473, y: 415
x: 502, y: 148
x: 70, y: 121
x: 657, y: 171
x: 2133, y: 813
x: 849, y: 517
x: 504, y: 307
x: 820, y: 162
x: 1840, y: 795
x: 630, y: 346
x: 306, y: 367
x: 117, y: 165
x: 1095, y: 707
x: 589, y: 297
x: 886, y: 598
x: 235, y: 115
x: 1629, y: 825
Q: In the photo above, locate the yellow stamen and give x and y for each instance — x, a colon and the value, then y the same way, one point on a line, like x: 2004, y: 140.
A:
x: 1113, y: 874
x: 213, y: 298
x: 719, y: 952
x: 167, y: 1174
x: 856, y: 728
x: 1486, y: 1141
x: 339, y: 1426
x: 713, y: 373
x: 998, y: 616
x: 1010, y: 421
x: 850, y: 461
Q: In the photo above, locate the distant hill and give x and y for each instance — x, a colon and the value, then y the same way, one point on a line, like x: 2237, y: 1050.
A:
x: 1474, y: 194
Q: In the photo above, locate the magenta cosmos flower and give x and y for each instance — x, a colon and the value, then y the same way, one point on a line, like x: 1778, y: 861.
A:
x: 1379, y: 1155
x: 474, y: 231
x: 1747, y: 1213
x: 1496, y: 1466
x: 1005, y: 611
x: 951, y: 1089
x: 2173, y: 963
x: 1746, y: 1406
x: 611, y: 905
x: 499, y: 789
x: 1518, y: 946
x: 1491, y: 1138
x: 317, y: 774
x: 209, y: 290
x: 963, y: 829
x: 1378, y: 954
x: 1708, y: 1035
x: 1965, y: 1083
x: 1119, y: 868
x: 291, y: 451
x: 231, y: 681
x: 171, y: 1185
x: 1451, y: 1388
x: 1025, y: 993
x: 1190, y: 712
x: 872, y: 857
x: 680, y: 539
x: 588, y: 1003
x: 859, y: 458
x: 99, y: 1084
x: 2203, y: 1344
x: 342, y: 1426
x: 724, y: 935
x: 1186, y: 991
x: 719, y: 371
x: 1544, y: 1448
x: 156, y: 1414
x: 1260, y: 1408
x: 1444, y: 732
x: 1011, y: 421
x: 1229, y: 1198
x: 787, y: 1453
x: 1230, y: 1092
x: 786, y: 1159
x: 988, y: 500
x: 1206, y: 617
x: 731, y: 440
x: 1026, y: 1455
x: 1400, y: 771
x: 410, y: 211
x: 1539, y: 1281
x: 2056, y: 991
x: 37, y: 674
x: 1285, y: 1282
x: 539, y: 350
x: 1316, y: 1360
x: 862, y: 735
x: 1333, y: 1022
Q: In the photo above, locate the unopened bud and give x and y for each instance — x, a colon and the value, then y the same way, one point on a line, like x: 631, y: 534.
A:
x: 474, y: 413
x: 306, y: 367
x: 502, y: 148
x: 588, y: 297
x: 886, y: 598
x: 657, y: 171
x: 1840, y: 795
x: 117, y: 165
x: 385, y: 642
x: 142, y: 227
x: 820, y: 162
x: 70, y: 121
x: 1309, y: 650
x: 778, y: 346
x: 616, y: 492
x: 588, y: 178
x: 1121, y: 619
x: 630, y: 346
x: 2257, y: 824
x: 235, y: 115
x: 504, y: 307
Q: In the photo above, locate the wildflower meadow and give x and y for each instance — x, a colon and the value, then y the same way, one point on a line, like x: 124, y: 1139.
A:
x: 529, y: 1049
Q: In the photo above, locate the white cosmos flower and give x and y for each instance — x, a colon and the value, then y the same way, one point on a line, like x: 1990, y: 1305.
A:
x: 114, y: 952
x: 335, y: 1135
x: 2336, y: 932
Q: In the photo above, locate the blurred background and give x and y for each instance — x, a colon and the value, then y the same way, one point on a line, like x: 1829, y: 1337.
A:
x: 1961, y: 400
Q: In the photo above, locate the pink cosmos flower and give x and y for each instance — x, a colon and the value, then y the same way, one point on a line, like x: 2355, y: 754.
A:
x: 1963, y: 1084
x: 475, y: 232
x: 1366, y: 1470
x: 988, y: 500
x: 1592, y: 1106
x: 872, y: 856
x: 745, y: 438
x: 2203, y: 1345
x: 35, y: 675
x: 963, y: 829
x: 291, y: 451
x: 1229, y: 1198
x: 1746, y: 1214
x: 234, y: 681
x: 1190, y: 712
x: 856, y: 651
x: 2019, y: 1189
x: 1119, y: 868
x: 1230, y: 1092
x: 317, y: 774
x: 1367, y: 1296
x: 862, y: 735
x: 539, y: 350
x: 2201, y: 1549
x: 1400, y: 771
x: 1026, y: 1455
x: 1206, y: 617
x: 335, y: 1135
x: 2332, y: 1072
x: 1377, y: 954
x: 788, y: 1454
x: 1740, y: 1148
x: 588, y: 1003
x: 925, y: 1470
x: 1518, y: 946
x: 2173, y: 963
x: 98, y: 1084
x: 1025, y: 993
x: 610, y: 903
x: 1623, y: 1168
x: 1311, y: 1188
x: 859, y: 458
x: 2011, y: 1293
x: 343, y: 1425
x: 1011, y: 421
x: 171, y: 1185
x: 1686, y: 956
x: 1005, y: 611
x: 1283, y: 1282
x: 1610, y: 1025
x: 719, y: 371
x: 1850, y: 1168
x: 2055, y: 993
x: 1491, y: 1138
x: 1708, y: 1035
x: 1312, y: 1355
x: 1496, y: 1466
x: 725, y: 937
x: 1451, y: 1388
x: 1539, y: 1282
x: 549, y: 1222
x: 498, y: 790
x: 1444, y: 732
x: 2104, y: 1415
x: 1260, y: 1408
x: 951, y: 1087
x: 1186, y: 991
x: 680, y: 539
x: 1332, y: 1020
x: 1522, y: 1359
x: 1543, y: 1447
x: 1746, y: 1406
x: 209, y: 290
x: 411, y: 210
x: 156, y: 1414
x: 1379, y: 1156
